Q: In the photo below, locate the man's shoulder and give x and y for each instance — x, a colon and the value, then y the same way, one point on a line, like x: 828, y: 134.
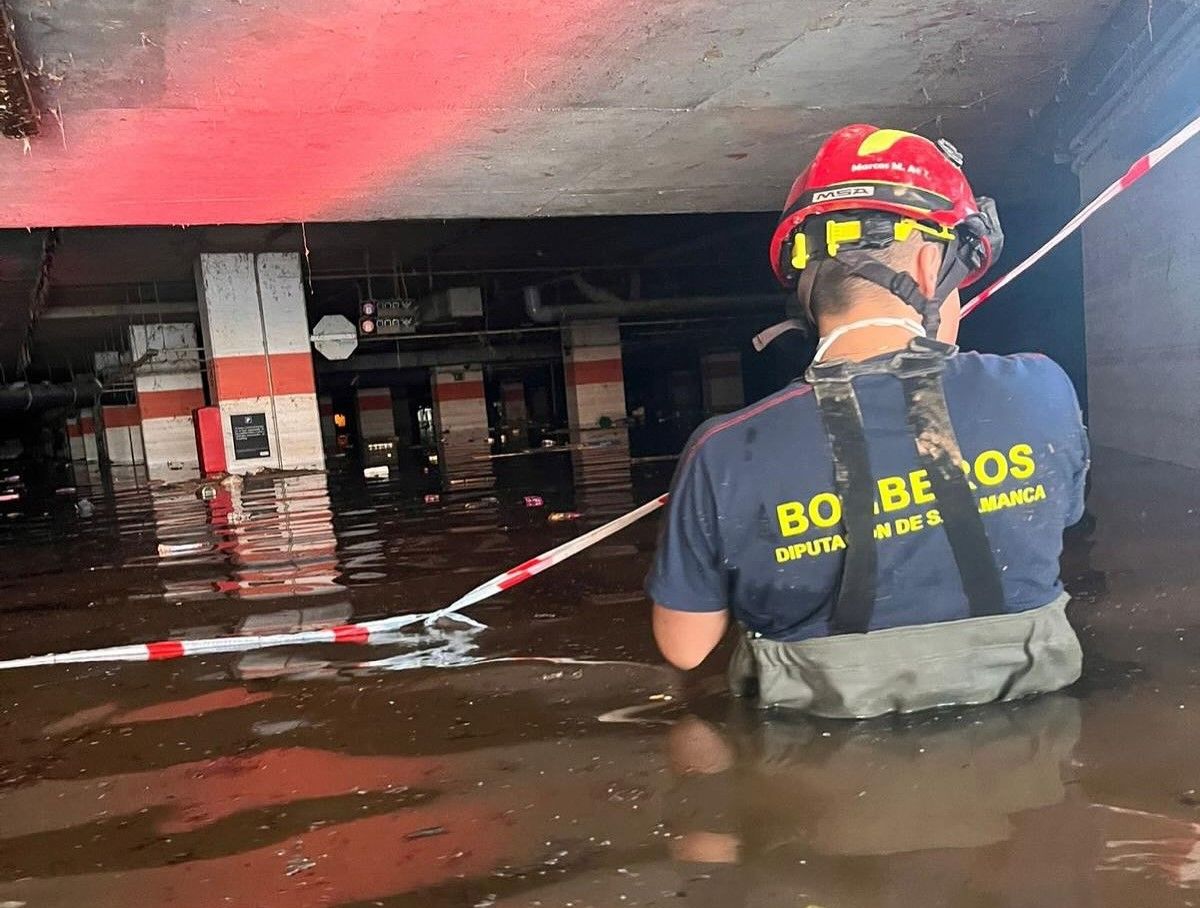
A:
x: 1027, y: 387
x: 1010, y: 365
x: 713, y: 432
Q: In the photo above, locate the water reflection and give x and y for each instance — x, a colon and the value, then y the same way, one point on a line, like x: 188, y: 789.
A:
x: 946, y: 781
x: 272, y: 536
x: 551, y: 758
x: 603, y: 483
x: 468, y: 472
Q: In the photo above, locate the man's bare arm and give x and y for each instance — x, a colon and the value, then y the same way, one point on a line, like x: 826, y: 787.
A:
x: 686, y: 638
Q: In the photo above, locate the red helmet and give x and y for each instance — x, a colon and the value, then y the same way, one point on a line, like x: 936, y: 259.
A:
x: 865, y: 168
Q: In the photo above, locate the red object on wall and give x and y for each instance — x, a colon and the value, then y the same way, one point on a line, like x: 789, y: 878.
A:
x: 210, y: 440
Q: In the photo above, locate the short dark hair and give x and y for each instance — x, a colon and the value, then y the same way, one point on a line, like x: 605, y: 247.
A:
x: 833, y: 292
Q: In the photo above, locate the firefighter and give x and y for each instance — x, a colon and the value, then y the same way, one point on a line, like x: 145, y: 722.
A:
x: 885, y: 533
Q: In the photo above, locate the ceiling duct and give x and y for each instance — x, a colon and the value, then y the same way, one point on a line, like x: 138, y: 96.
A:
x: 22, y: 396
x: 605, y: 304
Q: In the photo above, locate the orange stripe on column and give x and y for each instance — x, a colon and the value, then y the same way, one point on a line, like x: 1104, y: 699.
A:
x: 722, y: 368
x: 594, y: 372
x: 374, y: 403
x: 120, y: 417
x: 235, y: 377
x: 73, y: 430
x: 458, y: 390
x: 87, y: 425
x: 292, y: 373
x: 163, y: 404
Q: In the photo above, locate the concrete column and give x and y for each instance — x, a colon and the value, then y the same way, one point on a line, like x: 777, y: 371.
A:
x: 512, y: 393
x: 75, y: 439
x: 255, y: 324
x: 516, y: 416
x: 328, y: 429
x: 595, y: 382
x: 123, y: 434
x: 460, y: 416
x: 169, y: 386
x: 721, y: 377
x: 402, y: 413
x: 376, y: 420
x: 87, y: 431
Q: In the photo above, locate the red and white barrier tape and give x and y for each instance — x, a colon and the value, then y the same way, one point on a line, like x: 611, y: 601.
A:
x: 374, y: 631
x: 366, y: 632
x: 1137, y: 170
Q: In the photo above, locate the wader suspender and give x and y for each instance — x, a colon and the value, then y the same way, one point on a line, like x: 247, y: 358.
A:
x: 919, y: 369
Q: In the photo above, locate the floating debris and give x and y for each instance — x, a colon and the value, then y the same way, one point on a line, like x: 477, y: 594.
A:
x: 299, y: 864
x: 427, y: 832
x: 166, y: 549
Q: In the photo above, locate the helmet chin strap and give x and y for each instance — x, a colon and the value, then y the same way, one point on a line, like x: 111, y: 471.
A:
x: 861, y: 264
x: 836, y: 334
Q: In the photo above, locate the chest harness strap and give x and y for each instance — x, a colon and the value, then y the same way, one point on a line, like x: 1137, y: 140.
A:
x: 919, y: 369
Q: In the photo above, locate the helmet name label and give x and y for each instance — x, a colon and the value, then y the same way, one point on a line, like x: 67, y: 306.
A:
x: 891, y: 167
x: 843, y: 192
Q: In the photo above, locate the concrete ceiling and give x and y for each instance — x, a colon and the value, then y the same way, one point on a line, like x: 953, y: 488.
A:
x: 265, y: 111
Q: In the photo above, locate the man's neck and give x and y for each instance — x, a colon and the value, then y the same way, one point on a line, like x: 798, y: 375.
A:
x: 868, y: 340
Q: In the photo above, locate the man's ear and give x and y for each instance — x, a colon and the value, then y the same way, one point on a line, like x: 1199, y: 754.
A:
x: 928, y: 266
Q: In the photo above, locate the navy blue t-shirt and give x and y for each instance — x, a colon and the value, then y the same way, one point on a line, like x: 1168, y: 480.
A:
x: 754, y: 523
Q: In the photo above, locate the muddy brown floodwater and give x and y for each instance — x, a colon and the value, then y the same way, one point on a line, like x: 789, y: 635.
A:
x: 551, y: 760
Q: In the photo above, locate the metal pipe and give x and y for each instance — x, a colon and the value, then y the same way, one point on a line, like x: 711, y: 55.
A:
x: 24, y: 397
x: 527, y: 269
x: 608, y: 305
x: 438, y: 335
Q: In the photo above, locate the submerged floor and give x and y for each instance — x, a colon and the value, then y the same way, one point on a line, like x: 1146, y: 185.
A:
x: 551, y: 760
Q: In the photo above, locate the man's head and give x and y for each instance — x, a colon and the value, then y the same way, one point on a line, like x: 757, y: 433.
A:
x: 884, y: 220
x: 836, y: 298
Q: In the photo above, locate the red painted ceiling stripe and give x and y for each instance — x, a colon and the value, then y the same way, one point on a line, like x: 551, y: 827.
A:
x: 301, y: 111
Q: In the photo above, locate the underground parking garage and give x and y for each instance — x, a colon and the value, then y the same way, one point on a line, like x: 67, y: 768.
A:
x: 347, y: 355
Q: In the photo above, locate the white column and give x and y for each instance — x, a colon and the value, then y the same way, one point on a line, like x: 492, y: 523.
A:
x: 123, y: 433
x: 376, y: 421
x: 460, y: 416
x: 595, y: 382
x: 328, y: 429
x: 87, y: 431
x: 721, y: 376
x: 75, y: 439
x: 512, y: 394
x: 252, y: 312
x: 168, y: 386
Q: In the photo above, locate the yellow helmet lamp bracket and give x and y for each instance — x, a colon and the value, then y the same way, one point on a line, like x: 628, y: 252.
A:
x: 848, y: 232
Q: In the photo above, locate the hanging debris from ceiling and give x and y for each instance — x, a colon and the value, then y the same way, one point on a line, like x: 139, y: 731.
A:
x: 18, y: 113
